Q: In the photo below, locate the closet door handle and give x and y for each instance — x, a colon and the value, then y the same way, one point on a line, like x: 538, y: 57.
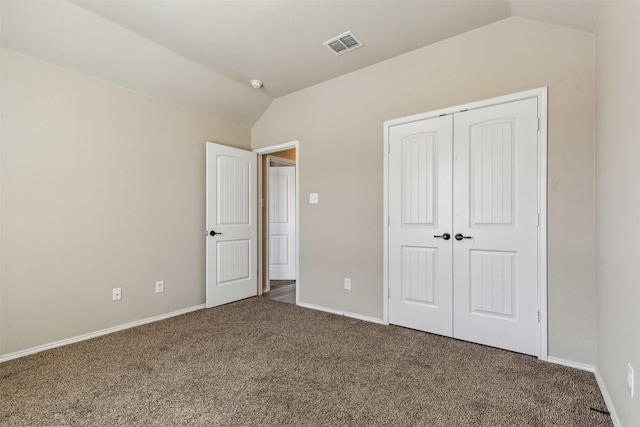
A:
x: 445, y: 236
x: 460, y: 237
x: 213, y: 233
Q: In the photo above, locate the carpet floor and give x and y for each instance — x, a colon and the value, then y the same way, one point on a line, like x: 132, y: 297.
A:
x: 260, y: 362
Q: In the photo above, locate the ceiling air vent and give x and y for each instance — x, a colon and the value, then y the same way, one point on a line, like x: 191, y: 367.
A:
x: 343, y: 43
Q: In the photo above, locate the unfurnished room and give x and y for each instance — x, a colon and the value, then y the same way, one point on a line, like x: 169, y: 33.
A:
x: 319, y: 213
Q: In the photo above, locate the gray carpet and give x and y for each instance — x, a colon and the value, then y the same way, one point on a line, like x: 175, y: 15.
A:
x: 259, y: 362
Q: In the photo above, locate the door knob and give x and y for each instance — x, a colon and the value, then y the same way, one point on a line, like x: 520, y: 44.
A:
x: 213, y: 233
x: 445, y: 236
x: 460, y: 237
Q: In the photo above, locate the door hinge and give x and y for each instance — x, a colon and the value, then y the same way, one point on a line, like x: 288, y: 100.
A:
x: 388, y: 292
x: 538, y: 316
x: 388, y: 220
x: 538, y: 220
x: 388, y: 148
x: 538, y: 124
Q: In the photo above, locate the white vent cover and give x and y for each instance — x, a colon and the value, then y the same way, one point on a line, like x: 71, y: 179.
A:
x: 343, y: 43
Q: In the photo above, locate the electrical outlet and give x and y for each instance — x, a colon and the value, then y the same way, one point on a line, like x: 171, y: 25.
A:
x: 159, y: 286
x: 117, y: 294
x: 347, y: 283
x: 313, y: 198
x: 630, y: 379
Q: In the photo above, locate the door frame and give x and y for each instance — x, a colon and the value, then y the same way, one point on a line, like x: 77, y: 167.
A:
x: 292, y: 163
x: 261, y: 201
x: 541, y: 95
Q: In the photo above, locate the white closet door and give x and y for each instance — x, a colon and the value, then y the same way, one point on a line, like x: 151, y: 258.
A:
x: 495, y: 277
x: 419, y: 209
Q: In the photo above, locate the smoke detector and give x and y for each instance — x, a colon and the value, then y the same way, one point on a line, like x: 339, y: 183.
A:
x: 343, y: 43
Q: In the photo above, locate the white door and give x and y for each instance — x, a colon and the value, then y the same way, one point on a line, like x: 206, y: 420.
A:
x: 232, y: 230
x: 420, y: 203
x: 481, y: 285
x: 496, y: 205
x: 282, y: 223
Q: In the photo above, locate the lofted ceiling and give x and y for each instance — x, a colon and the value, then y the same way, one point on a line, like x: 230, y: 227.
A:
x: 202, y: 53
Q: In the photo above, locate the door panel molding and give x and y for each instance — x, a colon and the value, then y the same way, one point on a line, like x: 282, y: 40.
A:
x: 231, y: 224
x: 496, y: 217
x: 421, y: 170
x: 492, y: 149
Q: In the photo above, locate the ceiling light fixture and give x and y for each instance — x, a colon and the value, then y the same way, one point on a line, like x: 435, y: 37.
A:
x: 256, y: 84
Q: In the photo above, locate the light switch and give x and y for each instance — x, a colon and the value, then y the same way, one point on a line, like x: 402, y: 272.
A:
x: 313, y: 198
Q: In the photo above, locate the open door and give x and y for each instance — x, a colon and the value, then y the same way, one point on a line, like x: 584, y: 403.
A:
x: 231, y: 225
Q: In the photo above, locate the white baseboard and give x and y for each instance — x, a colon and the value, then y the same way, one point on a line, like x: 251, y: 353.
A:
x: 342, y: 313
x: 607, y: 400
x: 569, y: 363
x: 603, y: 389
x: 88, y: 336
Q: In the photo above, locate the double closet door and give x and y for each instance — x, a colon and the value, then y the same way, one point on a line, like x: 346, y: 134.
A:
x: 463, y: 225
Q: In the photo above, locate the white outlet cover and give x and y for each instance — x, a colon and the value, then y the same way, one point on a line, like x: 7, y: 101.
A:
x: 117, y: 294
x: 347, y: 284
x: 159, y: 286
x: 313, y: 198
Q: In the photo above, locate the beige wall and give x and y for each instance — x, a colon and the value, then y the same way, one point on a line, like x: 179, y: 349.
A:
x: 101, y: 188
x: 342, y: 235
x: 618, y: 203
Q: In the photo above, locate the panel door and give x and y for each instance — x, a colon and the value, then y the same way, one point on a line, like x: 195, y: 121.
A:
x: 231, y: 255
x: 282, y: 224
x: 496, y: 205
x: 420, y: 203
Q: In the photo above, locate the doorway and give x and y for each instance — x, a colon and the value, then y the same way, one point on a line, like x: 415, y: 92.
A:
x: 465, y: 193
x: 278, y: 222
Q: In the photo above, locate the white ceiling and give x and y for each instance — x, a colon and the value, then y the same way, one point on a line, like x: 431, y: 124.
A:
x: 202, y: 53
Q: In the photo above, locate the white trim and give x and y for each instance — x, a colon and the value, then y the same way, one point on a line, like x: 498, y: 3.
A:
x: 607, y: 400
x: 571, y: 364
x: 277, y: 147
x: 603, y: 389
x: 99, y: 333
x: 273, y: 149
x: 541, y: 95
x: 266, y: 274
x: 342, y: 313
x: 385, y: 226
x: 533, y: 93
x: 264, y: 224
x: 260, y: 206
x: 543, y: 349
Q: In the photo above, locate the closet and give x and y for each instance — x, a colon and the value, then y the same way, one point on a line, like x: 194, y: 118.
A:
x: 463, y: 231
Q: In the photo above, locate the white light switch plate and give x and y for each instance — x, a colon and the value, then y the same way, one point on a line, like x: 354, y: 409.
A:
x: 313, y: 198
